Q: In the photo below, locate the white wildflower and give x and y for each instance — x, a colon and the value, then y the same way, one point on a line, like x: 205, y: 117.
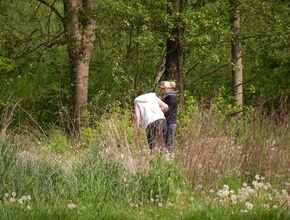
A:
x: 268, y: 185
x: 275, y: 207
x: 23, y: 198
x: 234, y: 199
x: 20, y: 201
x: 284, y: 193
x: 249, y: 205
x: 269, y: 196
x: 265, y: 187
x: 28, y: 207
x: 257, y: 177
x: 223, y: 193
x: 13, y: 194
x: 257, y: 185
x: 71, y: 205
x: 252, y: 191
x: 12, y: 199
x: 266, y: 206
x: 221, y: 202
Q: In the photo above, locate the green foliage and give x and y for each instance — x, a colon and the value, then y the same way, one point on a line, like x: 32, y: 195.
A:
x: 58, y: 141
x: 8, y: 158
x: 232, y: 180
x: 163, y: 183
x: 130, y: 39
x: 90, y: 136
x: 6, y: 65
x: 96, y: 181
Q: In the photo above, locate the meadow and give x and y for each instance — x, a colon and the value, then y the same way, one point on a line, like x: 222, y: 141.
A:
x: 223, y: 168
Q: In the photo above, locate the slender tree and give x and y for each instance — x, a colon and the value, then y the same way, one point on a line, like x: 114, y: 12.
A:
x: 237, y: 71
x: 80, y: 28
x: 174, y: 48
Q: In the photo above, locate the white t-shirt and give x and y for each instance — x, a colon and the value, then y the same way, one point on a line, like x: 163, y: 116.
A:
x: 149, y: 108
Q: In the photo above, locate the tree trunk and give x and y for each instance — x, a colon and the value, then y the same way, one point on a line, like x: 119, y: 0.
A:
x: 175, y: 52
x: 237, y: 71
x: 80, y: 28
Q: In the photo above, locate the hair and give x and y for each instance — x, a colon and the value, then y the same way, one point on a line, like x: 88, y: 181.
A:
x: 168, y: 84
x: 141, y: 92
x: 172, y: 84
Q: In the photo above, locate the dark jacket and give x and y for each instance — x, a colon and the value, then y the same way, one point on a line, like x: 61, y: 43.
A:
x: 171, y: 100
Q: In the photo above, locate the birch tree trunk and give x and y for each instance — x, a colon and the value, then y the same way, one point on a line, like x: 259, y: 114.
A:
x: 237, y: 71
x: 80, y: 28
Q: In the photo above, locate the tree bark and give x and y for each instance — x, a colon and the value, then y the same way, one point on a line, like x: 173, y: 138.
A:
x: 237, y: 71
x: 80, y: 28
x: 175, y: 51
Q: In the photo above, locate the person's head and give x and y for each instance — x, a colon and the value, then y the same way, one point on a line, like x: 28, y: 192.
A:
x: 141, y: 92
x: 166, y: 86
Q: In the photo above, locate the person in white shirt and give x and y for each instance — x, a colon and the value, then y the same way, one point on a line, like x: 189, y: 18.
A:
x: 149, y: 115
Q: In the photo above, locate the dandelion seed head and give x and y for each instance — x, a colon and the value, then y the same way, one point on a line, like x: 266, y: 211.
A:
x: 249, y: 205
x: 265, y: 206
x: 226, y: 187
x: 20, y: 201
x: 284, y: 192
x: 234, y: 199
x: 71, y: 205
x: 12, y: 200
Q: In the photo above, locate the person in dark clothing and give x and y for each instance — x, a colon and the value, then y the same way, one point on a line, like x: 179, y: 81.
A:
x: 169, y: 97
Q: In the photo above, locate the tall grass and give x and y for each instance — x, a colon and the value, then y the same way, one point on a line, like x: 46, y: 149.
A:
x: 210, y: 144
x: 117, y: 178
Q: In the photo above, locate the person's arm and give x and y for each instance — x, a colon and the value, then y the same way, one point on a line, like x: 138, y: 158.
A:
x: 137, y: 118
x: 163, y: 105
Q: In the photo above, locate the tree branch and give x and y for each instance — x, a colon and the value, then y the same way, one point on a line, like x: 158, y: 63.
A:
x: 53, y: 9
